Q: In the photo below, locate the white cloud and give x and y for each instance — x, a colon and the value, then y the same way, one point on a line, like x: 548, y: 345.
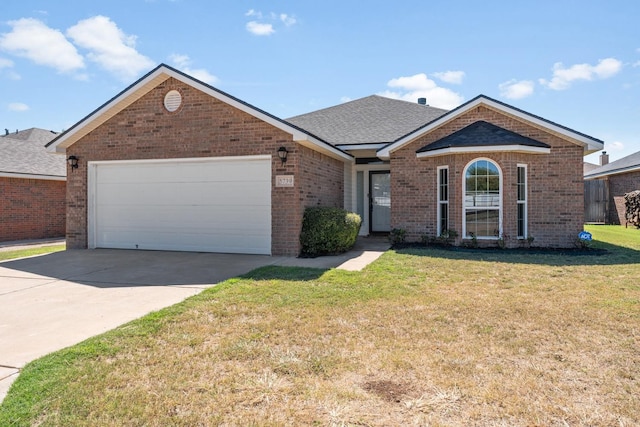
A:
x: 259, y: 29
x: 514, y: 89
x: 453, y: 77
x: 264, y: 24
x: 563, y: 77
x: 420, y: 86
x: 18, y: 107
x: 32, y: 39
x: 615, y: 146
x: 345, y: 99
x: 288, y: 20
x: 5, y: 63
x: 110, y: 47
x: 183, y: 63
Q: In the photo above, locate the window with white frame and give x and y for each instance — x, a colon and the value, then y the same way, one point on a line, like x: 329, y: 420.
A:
x: 443, y: 199
x: 482, y: 204
x: 522, y: 201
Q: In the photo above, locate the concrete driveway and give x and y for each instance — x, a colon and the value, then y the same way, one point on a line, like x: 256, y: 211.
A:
x: 53, y: 301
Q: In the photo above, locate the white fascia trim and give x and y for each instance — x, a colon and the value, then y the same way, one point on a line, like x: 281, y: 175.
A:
x: 160, y: 75
x: 316, y: 145
x: 588, y: 144
x: 613, y: 172
x: 485, y: 149
x: 297, y: 135
x: 32, y: 176
x: 109, y: 110
x: 356, y: 147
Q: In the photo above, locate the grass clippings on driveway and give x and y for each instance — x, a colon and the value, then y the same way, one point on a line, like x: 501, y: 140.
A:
x: 420, y: 337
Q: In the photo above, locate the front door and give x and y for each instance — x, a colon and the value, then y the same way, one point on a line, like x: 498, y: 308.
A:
x: 379, y: 201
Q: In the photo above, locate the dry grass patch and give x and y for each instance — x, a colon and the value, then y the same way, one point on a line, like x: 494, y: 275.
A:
x: 421, y: 337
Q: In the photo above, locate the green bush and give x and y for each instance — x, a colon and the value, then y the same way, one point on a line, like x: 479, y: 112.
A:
x: 328, y: 231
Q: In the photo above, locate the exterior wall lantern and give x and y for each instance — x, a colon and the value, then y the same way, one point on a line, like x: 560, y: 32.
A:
x: 282, y: 153
x: 73, y: 162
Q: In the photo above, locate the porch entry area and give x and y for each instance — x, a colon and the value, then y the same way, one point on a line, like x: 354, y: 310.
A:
x: 373, y: 200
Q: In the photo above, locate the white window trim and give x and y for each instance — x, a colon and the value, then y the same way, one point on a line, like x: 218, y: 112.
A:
x: 464, y: 191
x: 526, y: 200
x: 439, y: 202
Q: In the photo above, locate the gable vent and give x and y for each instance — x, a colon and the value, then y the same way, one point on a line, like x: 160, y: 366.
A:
x: 172, y: 100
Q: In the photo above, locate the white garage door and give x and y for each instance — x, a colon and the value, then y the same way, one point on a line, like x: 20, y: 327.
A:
x: 204, y: 205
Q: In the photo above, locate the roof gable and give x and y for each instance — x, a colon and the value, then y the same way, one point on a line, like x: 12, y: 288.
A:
x: 370, y: 120
x: 590, y: 144
x: 160, y: 74
x: 626, y: 164
x: 482, y: 134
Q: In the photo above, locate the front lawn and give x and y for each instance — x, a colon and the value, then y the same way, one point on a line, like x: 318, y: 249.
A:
x: 421, y: 337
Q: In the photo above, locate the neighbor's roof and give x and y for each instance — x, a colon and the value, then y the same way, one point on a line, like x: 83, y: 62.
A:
x: 370, y: 120
x: 588, y: 167
x: 627, y: 164
x: 589, y: 143
x: 482, y: 134
x: 23, y: 155
x: 162, y: 73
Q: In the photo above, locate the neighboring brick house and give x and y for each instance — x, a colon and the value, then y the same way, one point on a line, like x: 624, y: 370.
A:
x: 619, y: 177
x: 32, y: 187
x: 173, y: 163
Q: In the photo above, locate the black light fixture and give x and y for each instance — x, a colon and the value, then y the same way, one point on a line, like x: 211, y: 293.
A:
x: 282, y: 153
x: 73, y: 162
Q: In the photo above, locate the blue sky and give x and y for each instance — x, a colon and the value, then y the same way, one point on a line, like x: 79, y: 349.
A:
x: 573, y: 62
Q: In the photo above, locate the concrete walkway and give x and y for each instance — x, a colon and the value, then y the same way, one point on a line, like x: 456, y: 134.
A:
x: 53, y: 301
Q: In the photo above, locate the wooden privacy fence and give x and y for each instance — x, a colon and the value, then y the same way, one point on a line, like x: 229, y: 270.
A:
x: 596, y: 201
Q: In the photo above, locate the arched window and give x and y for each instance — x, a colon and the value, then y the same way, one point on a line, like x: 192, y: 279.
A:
x: 482, y: 204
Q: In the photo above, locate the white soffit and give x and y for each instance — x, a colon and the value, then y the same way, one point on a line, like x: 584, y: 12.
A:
x: 485, y: 149
x: 32, y: 176
x: 590, y: 145
x: 159, y: 75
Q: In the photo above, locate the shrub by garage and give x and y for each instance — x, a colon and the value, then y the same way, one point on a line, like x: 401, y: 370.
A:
x: 328, y: 231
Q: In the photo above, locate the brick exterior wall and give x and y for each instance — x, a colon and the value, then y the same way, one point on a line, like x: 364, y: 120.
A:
x: 555, y: 189
x: 31, y: 209
x: 205, y: 127
x: 619, y: 185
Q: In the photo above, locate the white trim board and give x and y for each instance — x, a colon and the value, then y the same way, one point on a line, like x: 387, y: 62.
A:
x: 485, y: 149
x: 32, y: 176
x: 589, y: 144
x: 161, y: 74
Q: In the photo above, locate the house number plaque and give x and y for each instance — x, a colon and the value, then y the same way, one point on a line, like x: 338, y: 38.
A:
x: 284, y: 181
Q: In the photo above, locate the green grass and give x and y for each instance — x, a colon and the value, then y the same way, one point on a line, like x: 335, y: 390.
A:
x: 22, y: 253
x: 422, y: 336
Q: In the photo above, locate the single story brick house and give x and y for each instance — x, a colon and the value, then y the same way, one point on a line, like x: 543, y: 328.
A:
x: 172, y: 163
x: 32, y: 187
x: 617, y: 179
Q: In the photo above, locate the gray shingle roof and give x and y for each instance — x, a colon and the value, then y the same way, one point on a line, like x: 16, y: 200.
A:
x: 482, y: 134
x: 629, y: 163
x: 25, y: 153
x: 370, y: 120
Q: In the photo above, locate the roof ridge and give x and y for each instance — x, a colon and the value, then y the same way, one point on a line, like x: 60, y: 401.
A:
x: 617, y: 165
